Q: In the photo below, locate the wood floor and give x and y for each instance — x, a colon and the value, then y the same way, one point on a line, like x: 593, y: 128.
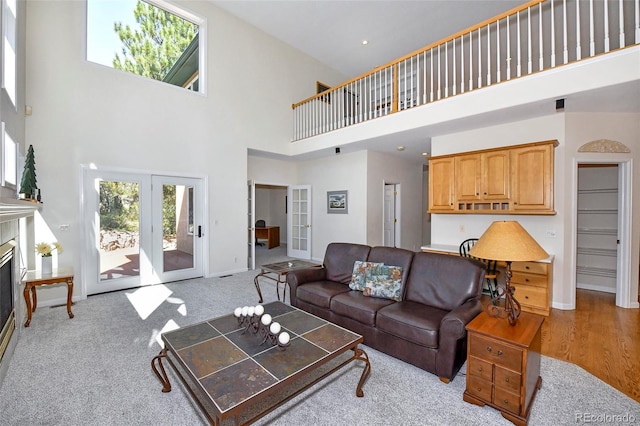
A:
x: 599, y: 337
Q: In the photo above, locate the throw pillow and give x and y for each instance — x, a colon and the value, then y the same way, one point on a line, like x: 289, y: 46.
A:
x: 385, y: 282
x: 359, y: 274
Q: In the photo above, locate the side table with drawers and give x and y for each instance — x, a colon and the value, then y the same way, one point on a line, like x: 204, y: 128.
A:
x: 503, y: 364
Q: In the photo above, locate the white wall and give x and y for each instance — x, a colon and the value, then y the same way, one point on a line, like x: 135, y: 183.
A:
x: 384, y: 168
x: 270, y: 206
x: 85, y: 113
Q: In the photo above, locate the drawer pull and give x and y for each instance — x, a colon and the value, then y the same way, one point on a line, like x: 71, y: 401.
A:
x: 479, y: 389
x: 489, y: 349
x: 526, y: 267
x: 499, y: 352
x: 480, y: 370
x: 526, y: 297
x: 506, y: 401
x: 526, y: 279
x: 506, y: 380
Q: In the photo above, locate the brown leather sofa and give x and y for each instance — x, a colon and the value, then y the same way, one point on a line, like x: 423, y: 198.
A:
x: 426, y: 328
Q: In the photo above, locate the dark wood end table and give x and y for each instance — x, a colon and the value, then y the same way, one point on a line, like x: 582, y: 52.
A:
x: 34, y: 279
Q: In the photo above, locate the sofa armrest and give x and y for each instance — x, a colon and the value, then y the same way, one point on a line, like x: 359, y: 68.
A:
x: 453, y: 324
x: 452, y: 348
x: 301, y: 276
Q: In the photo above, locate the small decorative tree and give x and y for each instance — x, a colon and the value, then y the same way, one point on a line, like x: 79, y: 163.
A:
x: 28, y: 184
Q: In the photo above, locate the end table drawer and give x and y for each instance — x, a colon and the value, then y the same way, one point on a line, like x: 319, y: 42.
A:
x: 480, y: 368
x: 507, y: 379
x: 495, y: 352
x: 507, y: 400
x: 530, y: 267
x: 483, y: 389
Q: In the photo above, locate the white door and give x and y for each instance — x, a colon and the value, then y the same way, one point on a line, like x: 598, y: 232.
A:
x: 251, y: 224
x: 177, y: 230
x: 124, y: 245
x: 299, y: 221
x: 389, y: 221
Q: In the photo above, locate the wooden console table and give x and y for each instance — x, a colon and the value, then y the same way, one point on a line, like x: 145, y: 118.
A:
x: 37, y: 278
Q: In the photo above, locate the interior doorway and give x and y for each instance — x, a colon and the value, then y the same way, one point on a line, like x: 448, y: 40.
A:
x: 602, y: 229
x: 391, y: 223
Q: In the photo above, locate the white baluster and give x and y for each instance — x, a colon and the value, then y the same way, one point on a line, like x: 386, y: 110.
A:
x: 553, y: 36
x: 446, y: 70
x: 519, y: 54
x: 438, y: 91
x: 488, y: 55
x: 540, y: 43
x: 479, y: 59
x: 498, y: 52
x: 462, y: 63
x: 621, y: 23
x: 424, y: 77
x: 529, y: 56
x: 470, y: 60
x: 508, y: 49
x: 637, y: 21
x: 455, y: 70
x: 578, y: 43
x: 565, y: 50
x: 431, y: 88
x: 592, y: 41
x: 606, y: 26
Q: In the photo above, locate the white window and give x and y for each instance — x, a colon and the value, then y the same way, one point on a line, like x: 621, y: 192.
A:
x: 150, y: 38
x: 9, y: 160
x: 9, y: 48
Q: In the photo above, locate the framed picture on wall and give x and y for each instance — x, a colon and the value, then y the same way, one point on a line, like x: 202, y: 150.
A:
x: 337, y: 202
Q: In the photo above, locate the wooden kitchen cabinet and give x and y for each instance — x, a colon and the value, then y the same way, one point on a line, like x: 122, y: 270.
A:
x: 510, y: 180
x: 441, y: 185
x: 532, y: 178
x: 503, y: 364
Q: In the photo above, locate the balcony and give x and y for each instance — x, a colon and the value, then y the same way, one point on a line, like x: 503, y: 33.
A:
x: 539, y: 36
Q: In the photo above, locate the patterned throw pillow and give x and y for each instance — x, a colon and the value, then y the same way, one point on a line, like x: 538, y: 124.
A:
x: 360, y: 271
x: 385, y: 282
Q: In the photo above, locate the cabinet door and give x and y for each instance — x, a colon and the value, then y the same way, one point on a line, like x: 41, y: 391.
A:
x: 495, y: 175
x: 532, y: 178
x: 441, y: 184
x: 468, y: 177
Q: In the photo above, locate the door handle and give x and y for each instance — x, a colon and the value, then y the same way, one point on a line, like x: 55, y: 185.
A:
x: 199, y: 231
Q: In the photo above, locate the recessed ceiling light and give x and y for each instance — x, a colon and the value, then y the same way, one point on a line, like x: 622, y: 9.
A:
x: 365, y: 41
x: 400, y: 148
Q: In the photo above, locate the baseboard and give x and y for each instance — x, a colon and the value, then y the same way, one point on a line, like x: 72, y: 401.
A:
x: 596, y: 288
x: 230, y: 272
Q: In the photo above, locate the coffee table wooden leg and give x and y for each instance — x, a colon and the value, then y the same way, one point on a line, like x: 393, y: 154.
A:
x: 161, y: 374
x: 34, y: 303
x: 362, y: 356
x: 255, y: 282
x: 27, y: 299
x: 69, y: 295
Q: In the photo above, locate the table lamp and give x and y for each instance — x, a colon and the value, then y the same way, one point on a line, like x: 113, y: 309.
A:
x: 507, y: 241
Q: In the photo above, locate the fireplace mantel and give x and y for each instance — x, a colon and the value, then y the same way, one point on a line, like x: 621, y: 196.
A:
x: 11, y: 209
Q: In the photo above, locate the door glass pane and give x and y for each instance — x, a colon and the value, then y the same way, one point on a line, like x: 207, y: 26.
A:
x: 119, y: 234
x: 177, y: 227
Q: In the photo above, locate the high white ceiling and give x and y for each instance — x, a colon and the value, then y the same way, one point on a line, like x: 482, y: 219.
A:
x: 332, y: 31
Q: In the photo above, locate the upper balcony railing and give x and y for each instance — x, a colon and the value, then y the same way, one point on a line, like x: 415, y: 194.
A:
x: 534, y: 37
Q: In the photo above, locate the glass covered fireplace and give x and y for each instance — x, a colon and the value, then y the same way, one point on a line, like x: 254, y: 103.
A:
x: 7, y: 309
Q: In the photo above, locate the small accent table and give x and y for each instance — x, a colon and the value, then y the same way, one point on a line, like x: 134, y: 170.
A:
x: 503, y: 364
x: 37, y: 278
x: 278, y: 273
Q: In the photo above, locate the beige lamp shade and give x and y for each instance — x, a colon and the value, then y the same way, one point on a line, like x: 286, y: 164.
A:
x: 507, y: 241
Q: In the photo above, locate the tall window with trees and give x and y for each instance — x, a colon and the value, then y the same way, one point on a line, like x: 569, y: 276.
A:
x: 150, y: 38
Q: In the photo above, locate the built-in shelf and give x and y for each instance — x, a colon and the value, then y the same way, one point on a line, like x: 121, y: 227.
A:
x: 598, y: 191
x: 597, y: 251
x: 597, y: 211
x: 597, y: 231
x: 599, y: 272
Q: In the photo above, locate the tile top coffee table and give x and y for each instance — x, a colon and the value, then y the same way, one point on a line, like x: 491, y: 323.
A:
x: 278, y: 272
x: 231, y: 374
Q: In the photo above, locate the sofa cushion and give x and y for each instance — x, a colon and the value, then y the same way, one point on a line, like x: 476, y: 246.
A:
x: 319, y: 293
x: 339, y: 259
x: 384, y: 281
x: 415, y: 322
x: 356, y: 306
x: 359, y: 275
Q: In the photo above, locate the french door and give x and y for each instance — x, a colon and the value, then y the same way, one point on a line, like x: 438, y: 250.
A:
x: 299, y: 221
x: 141, y: 229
